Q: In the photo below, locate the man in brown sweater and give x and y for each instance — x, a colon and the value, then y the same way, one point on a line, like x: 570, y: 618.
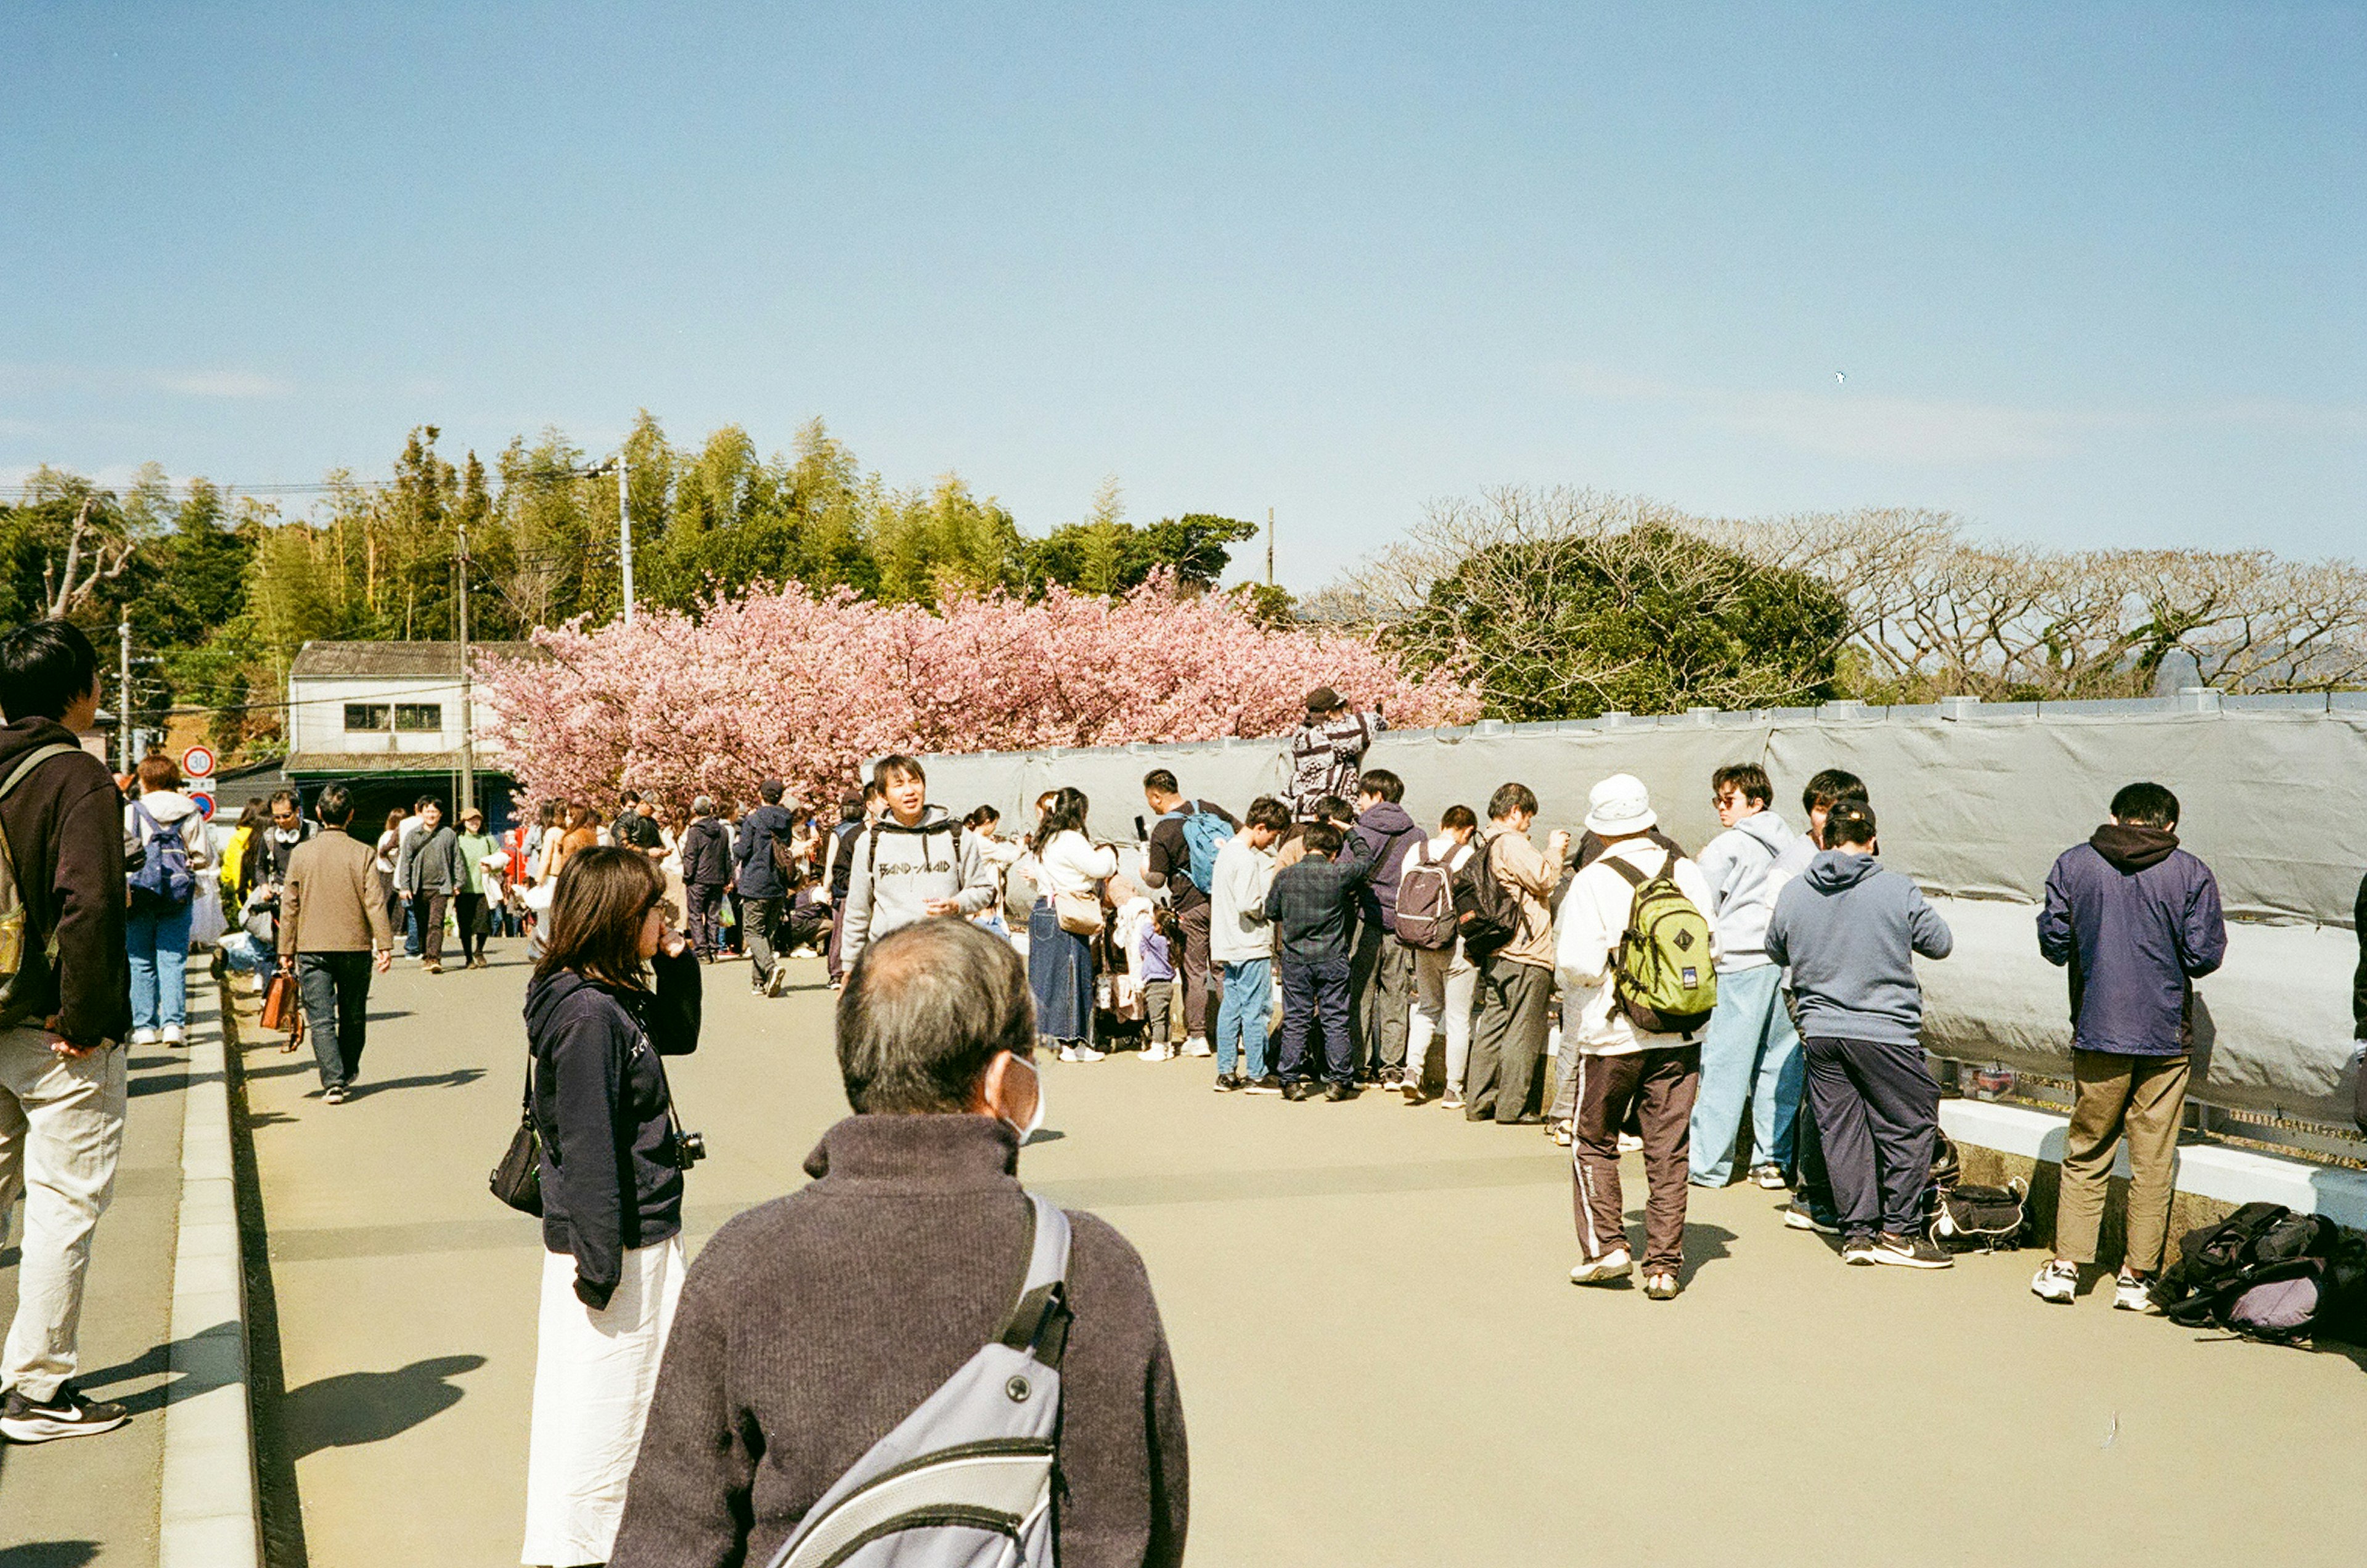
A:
x: 65, y: 1006
x: 1508, y: 1038
x: 812, y: 1325
x: 333, y: 932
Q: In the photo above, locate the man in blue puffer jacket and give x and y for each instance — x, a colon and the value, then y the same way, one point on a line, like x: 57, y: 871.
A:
x: 2136, y: 920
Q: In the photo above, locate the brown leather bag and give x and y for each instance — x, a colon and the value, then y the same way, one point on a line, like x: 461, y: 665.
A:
x: 283, y: 1010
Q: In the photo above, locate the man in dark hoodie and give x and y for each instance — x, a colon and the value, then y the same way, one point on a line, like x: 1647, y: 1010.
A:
x: 763, y: 885
x: 1167, y: 863
x: 2136, y: 920
x: 1850, y: 930
x: 63, y: 1012
x: 2359, y: 1010
x: 706, y: 876
x: 1380, y: 974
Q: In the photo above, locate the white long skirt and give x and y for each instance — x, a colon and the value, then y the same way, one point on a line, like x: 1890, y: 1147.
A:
x: 593, y: 1375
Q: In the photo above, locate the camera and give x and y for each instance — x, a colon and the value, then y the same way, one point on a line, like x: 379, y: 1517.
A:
x: 689, y: 1149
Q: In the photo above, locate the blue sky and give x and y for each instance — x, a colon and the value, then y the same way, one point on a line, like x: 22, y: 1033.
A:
x: 2094, y: 276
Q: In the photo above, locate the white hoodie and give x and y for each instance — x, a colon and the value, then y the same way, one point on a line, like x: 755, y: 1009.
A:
x: 172, y: 810
x: 1746, y: 866
x: 1237, y: 931
x: 1594, y: 914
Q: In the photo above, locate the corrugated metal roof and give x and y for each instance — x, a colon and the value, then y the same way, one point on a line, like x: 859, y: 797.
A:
x: 345, y: 764
x: 389, y: 660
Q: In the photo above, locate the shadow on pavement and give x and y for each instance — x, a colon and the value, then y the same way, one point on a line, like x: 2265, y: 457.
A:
x: 353, y: 1408
x: 156, y: 1361
x: 457, y: 1079
x: 48, y: 1554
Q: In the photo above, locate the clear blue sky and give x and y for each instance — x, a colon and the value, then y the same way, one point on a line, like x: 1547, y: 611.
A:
x: 2095, y: 278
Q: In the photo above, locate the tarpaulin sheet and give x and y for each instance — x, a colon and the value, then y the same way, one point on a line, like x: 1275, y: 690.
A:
x: 1975, y: 809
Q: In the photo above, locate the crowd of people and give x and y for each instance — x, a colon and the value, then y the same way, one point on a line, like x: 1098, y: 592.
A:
x: 1612, y: 988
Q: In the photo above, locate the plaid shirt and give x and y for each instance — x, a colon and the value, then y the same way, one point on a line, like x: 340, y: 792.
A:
x: 1313, y: 905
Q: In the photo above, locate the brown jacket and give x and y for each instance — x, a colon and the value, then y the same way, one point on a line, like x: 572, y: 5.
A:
x: 332, y: 901
x: 1523, y: 870
x: 812, y: 1325
x: 65, y: 833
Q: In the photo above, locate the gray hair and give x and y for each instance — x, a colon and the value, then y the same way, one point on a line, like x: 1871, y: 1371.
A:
x: 924, y: 1009
x: 702, y: 807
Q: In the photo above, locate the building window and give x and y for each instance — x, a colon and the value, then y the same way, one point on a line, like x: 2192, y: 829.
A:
x: 365, y: 716
x: 419, y: 715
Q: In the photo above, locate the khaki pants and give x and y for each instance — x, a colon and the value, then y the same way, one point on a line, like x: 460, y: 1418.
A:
x: 61, y: 1134
x: 2145, y: 1099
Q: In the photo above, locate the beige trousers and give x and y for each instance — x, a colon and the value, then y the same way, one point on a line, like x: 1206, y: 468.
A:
x: 2144, y: 1100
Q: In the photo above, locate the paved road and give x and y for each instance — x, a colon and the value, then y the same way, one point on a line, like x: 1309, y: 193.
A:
x: 93, y: 1500
x: 1381, y: 1360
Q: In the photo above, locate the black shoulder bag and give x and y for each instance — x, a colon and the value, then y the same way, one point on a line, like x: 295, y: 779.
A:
x: 517, y: 1180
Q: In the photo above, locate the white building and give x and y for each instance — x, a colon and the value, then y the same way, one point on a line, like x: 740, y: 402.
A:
x: 385, y: 720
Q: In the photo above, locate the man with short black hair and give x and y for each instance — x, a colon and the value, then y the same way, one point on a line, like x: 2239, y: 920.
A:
x: 637, y: 826
x: 1507, y: 1039
x: 1380, y: 972
x: 333, y: 932
x: 427, y: 873
x: 811, y: 1327
x: 916, y: 861
x: 1311, y: 906
x: 1167, y: 863
x: 62, y: 1017
x: 2136, y: 920
x: 706, y: 876
x: 762, y: 885
x: 1825, y: 791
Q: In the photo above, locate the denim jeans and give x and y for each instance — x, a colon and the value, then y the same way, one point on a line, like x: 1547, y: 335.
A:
x: 336, y: 988
x: 61, y: 1134
x: 1242, y: 1016
x: 1315, y: 996
x: 159, y: 940
x: 1750, y: 1051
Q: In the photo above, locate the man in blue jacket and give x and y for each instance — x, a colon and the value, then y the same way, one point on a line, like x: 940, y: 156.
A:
x: 2136, y: 920
x: 762, y: 887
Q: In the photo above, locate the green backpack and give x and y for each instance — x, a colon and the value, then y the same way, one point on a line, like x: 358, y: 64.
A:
x: 1664, y: 980
x: 12, y: 898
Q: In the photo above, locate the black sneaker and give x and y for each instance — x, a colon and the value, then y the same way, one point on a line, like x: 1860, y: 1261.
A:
x: 1228, y: 1083
x: 1910, y: 1252
x: 1339, y: 1091
x: 1266, y: 1085
x: 67, y: 1416
x: 1293, y: 1092
x: 1860, y: 1250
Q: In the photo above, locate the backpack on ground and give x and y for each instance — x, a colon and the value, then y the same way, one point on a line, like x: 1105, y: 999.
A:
x: 966, y: 1480
x: 1663, y: 978
x: 1205, y: 833
x: 2302, y: 1298
x: 13, y: 921
x: 2210, y: 1257
x: 1497, y: 917
x: 164, y: 873
x: 1426, y: 916
x: 2269, y: 1273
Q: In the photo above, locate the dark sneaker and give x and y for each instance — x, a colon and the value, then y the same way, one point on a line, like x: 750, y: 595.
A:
x: 1338, y: 1091
x: 1910, y: 1252
x: 1800, y: 1217
x: 1228, y: 1083
x: 1266, y: 1085
x: 1859, y: 1249
x: 1293, y: 1092
x: 67, y: 1416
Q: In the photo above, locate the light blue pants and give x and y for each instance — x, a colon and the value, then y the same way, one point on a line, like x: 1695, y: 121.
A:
x: 1752, y: 1052
x: 159, y: 940
x: 1242, y: 1016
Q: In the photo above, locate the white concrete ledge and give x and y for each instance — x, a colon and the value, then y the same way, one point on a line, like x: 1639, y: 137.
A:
x: 206, y: 1509
x: 2214, y: 1171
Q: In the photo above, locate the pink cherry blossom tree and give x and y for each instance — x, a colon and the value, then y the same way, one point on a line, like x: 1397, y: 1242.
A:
x: 807, y: 687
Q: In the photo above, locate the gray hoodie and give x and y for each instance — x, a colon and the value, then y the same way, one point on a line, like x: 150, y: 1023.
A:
x: 1849, y: 930
x: 1746, y: 866
x: 896, y: 870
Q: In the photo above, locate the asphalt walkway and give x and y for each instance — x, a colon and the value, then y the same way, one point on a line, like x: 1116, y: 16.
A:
x: 1381, y: 1360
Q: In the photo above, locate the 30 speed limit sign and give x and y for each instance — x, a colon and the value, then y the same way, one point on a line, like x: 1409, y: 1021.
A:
x: 198, y: 761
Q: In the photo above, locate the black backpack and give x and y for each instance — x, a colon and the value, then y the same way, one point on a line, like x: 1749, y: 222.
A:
x: 1496, y: 913
x: 2269, y: 1273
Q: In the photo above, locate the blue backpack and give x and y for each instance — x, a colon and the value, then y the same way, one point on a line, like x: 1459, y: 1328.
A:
x: 1205, y: 833
x: 163, y: 875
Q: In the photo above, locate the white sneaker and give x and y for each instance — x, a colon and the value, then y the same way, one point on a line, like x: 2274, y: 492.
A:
x: 2131, y: 1294
x: 1197, y: 1047
x: 1629, y: 1144
x: 1454, y: 1101
x: 1768, y: 1178
x: 2056, y: 1281
x: 1080, y: 1054
x: 143, y: 1037
x: 176, y: 1035
x: 1159, y: 1051
x: 1613, y: 1265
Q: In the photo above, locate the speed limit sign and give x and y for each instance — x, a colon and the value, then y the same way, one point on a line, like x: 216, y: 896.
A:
x: 198, y: 761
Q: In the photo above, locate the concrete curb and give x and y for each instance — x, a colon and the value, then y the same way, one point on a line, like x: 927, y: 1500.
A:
x: 208, y: 1515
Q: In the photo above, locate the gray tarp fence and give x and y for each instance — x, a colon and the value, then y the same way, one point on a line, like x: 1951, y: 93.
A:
x: 1975, y: 803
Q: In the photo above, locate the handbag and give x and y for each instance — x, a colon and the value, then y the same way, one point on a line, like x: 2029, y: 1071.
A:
x: 1079, y: 914
x: 517, y: 1180
x: 283, y: 1008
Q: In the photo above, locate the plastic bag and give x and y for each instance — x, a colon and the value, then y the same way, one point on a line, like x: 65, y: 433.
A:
x: 207, y: 923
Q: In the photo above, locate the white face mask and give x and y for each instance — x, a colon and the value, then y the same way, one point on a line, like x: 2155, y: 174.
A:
x: 1035, y: 1117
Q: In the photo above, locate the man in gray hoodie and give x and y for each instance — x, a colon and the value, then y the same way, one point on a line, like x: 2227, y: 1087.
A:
x: 1849, y: 930
x: 916, y: 860
x: 1752, y: 1052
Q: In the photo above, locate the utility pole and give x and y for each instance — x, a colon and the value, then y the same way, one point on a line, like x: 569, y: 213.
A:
x: 1269, y: 546
x: 467, y: 792
x: 625, y: 529
x: 123, y: 699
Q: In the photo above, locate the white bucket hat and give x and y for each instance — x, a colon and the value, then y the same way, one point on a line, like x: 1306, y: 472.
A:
x: 1618, y: 806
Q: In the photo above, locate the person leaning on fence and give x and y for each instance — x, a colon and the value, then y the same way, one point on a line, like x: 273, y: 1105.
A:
x: 1849, y: 930
x: 1445, y: 981
x: 615, y: 992
x: 1380, y: 972
x: 2136, y: 920
x: 333, y: 932
x: 1508, y: 1038
x: 1240, y: 944
x: 813, y: 1325
x: 1312, y: 907
x: 65, y: 1007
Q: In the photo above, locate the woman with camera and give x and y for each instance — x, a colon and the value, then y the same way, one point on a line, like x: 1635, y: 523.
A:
x: 615, y: 991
